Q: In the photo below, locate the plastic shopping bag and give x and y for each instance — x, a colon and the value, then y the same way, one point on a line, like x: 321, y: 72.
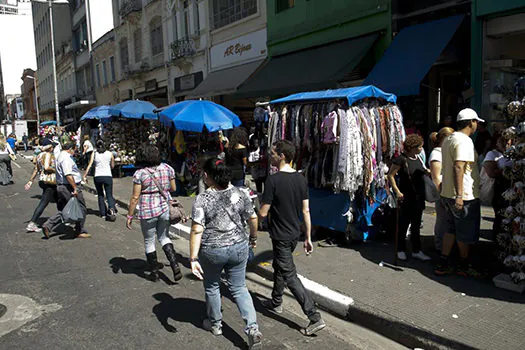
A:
x: 74, y: 211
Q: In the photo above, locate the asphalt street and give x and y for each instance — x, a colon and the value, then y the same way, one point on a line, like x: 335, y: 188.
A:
x: 66, y: 293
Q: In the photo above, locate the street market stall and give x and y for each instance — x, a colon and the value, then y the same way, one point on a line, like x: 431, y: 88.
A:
x: 124, y: 128
x: 512, y: 239
x: 195, y: 126
x: 345, y: 140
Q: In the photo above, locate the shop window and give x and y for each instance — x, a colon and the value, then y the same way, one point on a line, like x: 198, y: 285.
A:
x: 137, y: 45
x: 282, y: 5
x: 112, y: 68
x: 105, y: 73
x: 225, y: 12
x: 157, y: 46
x: 503, y: 65
x: 174, y: 27
x: 124, y: 55
x: 98, y: 74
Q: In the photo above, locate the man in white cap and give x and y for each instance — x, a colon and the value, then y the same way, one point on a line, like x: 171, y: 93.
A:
x: 460, y: 194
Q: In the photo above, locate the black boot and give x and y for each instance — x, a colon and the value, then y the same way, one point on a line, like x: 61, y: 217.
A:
x: 170, y: 254
x: 153, y: 265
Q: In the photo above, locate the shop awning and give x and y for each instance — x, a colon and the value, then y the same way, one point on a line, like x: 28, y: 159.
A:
x: 163, y: 92
x: 80, y: 104
x: 411, y: 55
x: 225, y: 81
x: 313, y: 69
x: 352, y: 94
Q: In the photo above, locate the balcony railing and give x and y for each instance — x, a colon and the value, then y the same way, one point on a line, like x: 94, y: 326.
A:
x: 182, y: 48
x: 129, y: 6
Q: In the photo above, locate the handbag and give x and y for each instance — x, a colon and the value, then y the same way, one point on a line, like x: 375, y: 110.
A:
x: 486, y: 188
x: 48, y: 177
x: 175, y: 207
x: 431, y: 192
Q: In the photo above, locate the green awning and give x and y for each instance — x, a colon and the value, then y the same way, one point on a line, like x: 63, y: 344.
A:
x: 312, y: 69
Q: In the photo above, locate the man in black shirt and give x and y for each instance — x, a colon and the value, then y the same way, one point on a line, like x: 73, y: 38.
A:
x: 285, y: 198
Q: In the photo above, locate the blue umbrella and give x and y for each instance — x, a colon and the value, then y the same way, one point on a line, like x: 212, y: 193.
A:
x: 195, y: 115
x: 49, y: 122
x: 99, y: 112
x: 134, y: 109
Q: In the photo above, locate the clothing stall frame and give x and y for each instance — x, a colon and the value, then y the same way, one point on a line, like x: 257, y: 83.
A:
x: 327, y: 208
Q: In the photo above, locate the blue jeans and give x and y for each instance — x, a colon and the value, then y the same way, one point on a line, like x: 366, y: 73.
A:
x: 159, y: 226
x: 233, y: 260
x: 104, y: 184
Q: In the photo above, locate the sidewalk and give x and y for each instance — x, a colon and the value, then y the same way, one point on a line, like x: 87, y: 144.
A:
x: 407, y: 303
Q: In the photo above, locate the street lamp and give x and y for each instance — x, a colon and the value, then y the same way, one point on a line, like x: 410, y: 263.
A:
x: 36, y: 105
x: 50, y: 5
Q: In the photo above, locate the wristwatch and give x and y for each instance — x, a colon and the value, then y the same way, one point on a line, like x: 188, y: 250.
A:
x: 194, y: 259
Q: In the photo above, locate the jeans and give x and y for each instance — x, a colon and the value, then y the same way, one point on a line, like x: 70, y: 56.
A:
x: 440, y: 227
x: 49, y: 192
x: 285, y: 273
x: 232, y: 260
x: 63, y: 196
x: 159, y: 226
x: 104, y: 184
x: 410, y: 214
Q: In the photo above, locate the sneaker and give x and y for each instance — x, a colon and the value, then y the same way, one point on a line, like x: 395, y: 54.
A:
x: 32, y: 227
x: 468, y: 271
x: 268, y: 305
x: 254, y: 339
x: 314, y: 327
x: 215, y: 330
x: 443, y: 268
x: 421, y: 256
x: 402, y: 256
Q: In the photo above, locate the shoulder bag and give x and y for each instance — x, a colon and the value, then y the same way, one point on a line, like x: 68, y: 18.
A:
x: 431, y: 191
x: 47, y: 177
x: 176, y: 208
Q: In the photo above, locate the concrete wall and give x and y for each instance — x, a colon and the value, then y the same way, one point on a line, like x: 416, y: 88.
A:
x: 312, y: 23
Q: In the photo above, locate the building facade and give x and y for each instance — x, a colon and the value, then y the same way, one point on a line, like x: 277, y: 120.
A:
x: 105, y: 65
x: 314, y: 45
x: 42, y: 34
x: 3, y: 104
x: 84, y: 98
x: 142, y: 50
x: 498, y: 56
x: 28, y: 91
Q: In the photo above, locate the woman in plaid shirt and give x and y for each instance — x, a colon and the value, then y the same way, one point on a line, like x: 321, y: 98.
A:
x: 153, y: 209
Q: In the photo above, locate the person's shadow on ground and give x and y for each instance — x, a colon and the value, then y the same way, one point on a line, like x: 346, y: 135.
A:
x: 185, y: 310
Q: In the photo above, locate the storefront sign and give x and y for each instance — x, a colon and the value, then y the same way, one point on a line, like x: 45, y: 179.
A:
x: 188, y: 82
x: 248, y: 47
x: 151, y: 85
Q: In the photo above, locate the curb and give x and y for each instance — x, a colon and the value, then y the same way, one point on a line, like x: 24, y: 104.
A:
x: 348, y: 309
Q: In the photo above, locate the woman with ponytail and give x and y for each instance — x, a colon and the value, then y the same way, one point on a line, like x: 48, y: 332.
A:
x: 219, y: 241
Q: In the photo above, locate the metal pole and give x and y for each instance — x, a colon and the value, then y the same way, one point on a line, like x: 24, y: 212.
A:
x: 57, y: 112
x: 438, y: 109
x: 37, y: 110
x: 88, y: 25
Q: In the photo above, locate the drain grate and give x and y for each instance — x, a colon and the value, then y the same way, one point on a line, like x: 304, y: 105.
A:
x: 3, y: 310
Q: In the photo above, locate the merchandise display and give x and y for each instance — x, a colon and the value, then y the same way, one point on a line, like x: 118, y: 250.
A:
x: 123, y: 137
x: 512, y: 241
x: 345, y: 141
x: 340, y: 147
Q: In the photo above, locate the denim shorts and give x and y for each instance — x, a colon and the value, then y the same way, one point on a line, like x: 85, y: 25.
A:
x: 464, y: 224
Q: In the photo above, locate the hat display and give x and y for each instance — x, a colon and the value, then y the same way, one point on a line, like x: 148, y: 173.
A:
x: 468, y: 114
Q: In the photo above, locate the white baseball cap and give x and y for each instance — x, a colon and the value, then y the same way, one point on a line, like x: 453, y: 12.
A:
x: 468, y: 114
